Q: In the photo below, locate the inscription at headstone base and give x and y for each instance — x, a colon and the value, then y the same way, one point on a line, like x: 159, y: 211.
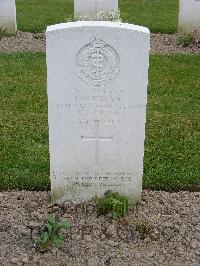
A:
x: 8, y: 16
x: 189, y: 16
x: 84, y: 8
x: 97, y: 93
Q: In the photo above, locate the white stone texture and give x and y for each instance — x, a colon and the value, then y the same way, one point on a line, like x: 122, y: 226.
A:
x: 189, y: 16
x: 8, y: 16
x: 97, y: 95
x: 91, y: 7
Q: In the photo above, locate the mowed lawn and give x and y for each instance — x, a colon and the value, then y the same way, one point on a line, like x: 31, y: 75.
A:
x: 172, y: 132
x: 158, y: 15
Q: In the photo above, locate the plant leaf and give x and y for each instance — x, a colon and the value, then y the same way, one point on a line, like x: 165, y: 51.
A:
x: 52, y: 219
x: 64, y: 225
x: 49, y: 227
x: 44, y: 237
x: 58, y: 240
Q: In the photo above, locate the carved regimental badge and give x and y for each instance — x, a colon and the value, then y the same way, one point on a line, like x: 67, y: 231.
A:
x: 97, y: 62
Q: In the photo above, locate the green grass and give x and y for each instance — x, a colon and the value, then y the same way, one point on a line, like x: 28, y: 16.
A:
x: 172, y: 151
x: 23, y: 122
x: 158, y: 15
x: 36, y: 15
x: 173, y: 123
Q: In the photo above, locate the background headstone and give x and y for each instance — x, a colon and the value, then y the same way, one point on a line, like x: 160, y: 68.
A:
x: 97, y: 94
x: 8, y: 16
x: 87, y: 8
x: 189, y: 15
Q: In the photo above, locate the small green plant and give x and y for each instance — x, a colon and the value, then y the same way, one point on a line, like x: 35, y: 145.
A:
x: 2, y: 33
x: 50, y: 234
x: 186, y: 39
x: 145, y: 229
x: 113, y: 204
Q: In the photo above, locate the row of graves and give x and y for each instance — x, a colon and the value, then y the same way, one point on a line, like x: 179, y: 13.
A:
x: 189, y: 13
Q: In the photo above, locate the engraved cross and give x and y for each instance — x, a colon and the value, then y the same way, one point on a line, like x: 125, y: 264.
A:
x: 96, y: 138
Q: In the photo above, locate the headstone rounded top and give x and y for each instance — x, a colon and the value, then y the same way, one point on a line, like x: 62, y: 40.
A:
x: 109, y: 24
x: 97, y: 94
x: 88, y: 8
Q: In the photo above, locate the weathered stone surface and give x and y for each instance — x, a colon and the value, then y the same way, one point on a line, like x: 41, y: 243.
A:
x: 189, y: 15
x: 90, y: 7
x: 8, y: 16
x: 97, y: 94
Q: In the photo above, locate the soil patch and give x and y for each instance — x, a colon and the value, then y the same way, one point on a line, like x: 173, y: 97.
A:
x: 23, y: 42
x: 168, y: 44
x: 26, y: 41
x: 164, y: 229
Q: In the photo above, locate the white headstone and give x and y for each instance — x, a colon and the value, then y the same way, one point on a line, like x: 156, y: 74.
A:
x: 189, y: 15
x: 8, y: 16
x: 97, y: 95
x: 87, y: 8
